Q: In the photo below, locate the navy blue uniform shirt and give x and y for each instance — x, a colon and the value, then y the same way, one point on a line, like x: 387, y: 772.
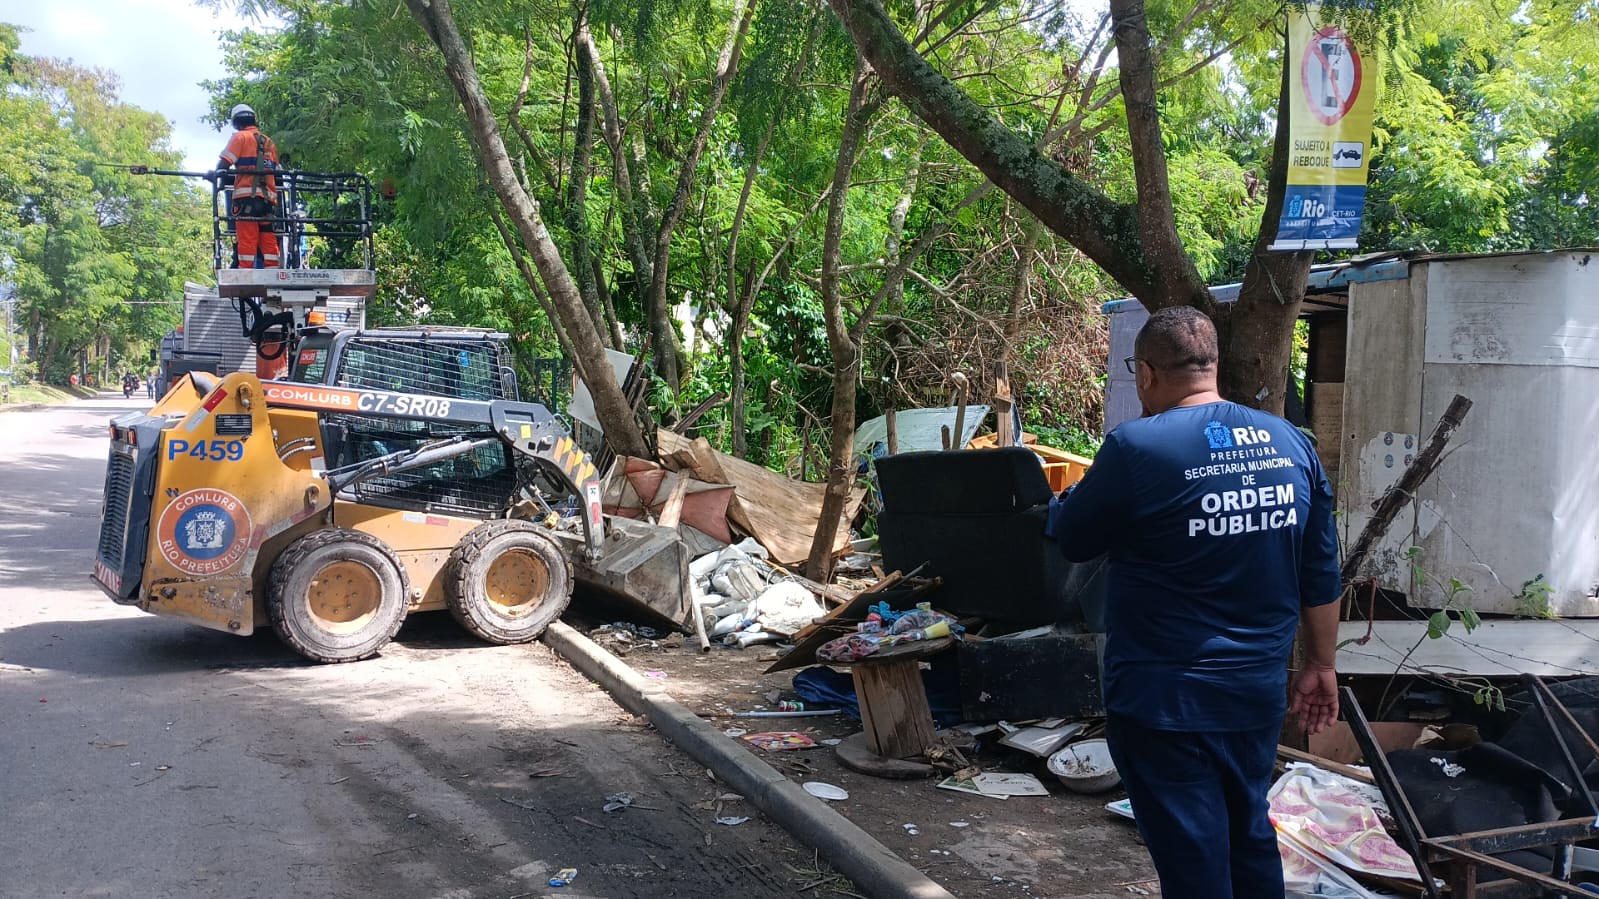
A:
x: 1218, y: 521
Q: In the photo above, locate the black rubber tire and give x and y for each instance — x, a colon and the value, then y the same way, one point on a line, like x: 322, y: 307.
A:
x: 466, y: 584
x: 294, y: 576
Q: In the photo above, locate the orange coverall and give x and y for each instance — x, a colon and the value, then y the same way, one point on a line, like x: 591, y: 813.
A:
x: 255, y: 194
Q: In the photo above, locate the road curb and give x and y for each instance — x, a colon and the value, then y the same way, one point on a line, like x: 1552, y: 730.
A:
x: 23, y: 407
x: 855, y: 853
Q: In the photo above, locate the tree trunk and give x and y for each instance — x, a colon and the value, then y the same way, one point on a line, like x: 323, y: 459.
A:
x: 531, y: 278
x: 738, y: 390
x: 668, y: 351
x: 845, y: 351
x: 618, y: 339
x: 577, y: 218
x: 621, y: 162
x: 1257, y: 332
x: 739, y: 310
x: 1020, y: 289
x: 896, y: 265
x: 610, y: 406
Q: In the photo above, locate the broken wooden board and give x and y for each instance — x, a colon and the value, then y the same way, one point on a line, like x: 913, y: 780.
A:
x: 639, y: 485
x: 1061, y: 468
x: 854, y: 609
x: 898, y: 593
x: 780, y: 513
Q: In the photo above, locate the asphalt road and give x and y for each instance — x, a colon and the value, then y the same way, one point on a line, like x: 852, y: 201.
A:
x: 145, y: 758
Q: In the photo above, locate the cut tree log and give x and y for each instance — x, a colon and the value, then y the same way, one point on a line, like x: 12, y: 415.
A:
x: 1404, y: 490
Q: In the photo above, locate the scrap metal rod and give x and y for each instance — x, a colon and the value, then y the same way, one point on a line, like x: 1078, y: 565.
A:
x: 1543, y: 698
x: 1411, y: 834
x: 1521, y: 836
x: 1514, y: 872
x: 1566, y: 713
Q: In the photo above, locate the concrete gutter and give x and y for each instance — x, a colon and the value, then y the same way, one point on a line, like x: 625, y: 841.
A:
x: 872, y: 866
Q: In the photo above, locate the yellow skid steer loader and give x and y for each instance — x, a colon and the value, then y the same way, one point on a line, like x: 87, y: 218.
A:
x: 390, y: 474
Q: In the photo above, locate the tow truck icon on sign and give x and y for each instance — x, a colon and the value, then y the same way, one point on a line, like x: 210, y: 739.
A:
x: 1347, y: 154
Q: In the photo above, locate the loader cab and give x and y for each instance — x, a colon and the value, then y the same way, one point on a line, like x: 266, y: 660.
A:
x: 469, y: 363
x: 454, y: 363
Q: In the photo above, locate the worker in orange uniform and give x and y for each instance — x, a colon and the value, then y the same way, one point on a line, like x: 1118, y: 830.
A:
x: 252, y: 156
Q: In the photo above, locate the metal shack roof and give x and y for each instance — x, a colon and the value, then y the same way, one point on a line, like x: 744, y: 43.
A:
x: 1335, y: 277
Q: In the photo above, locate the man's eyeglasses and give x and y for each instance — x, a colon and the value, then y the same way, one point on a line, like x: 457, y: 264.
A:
x: 1132, y: 364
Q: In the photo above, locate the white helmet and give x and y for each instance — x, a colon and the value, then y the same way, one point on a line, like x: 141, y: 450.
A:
x: 242, y: 110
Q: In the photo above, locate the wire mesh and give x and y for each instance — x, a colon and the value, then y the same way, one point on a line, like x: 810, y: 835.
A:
x: 460, y: 368
x: 481, y: 482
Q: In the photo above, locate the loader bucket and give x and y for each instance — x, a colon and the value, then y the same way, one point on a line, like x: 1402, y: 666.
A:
x: 642, y: 564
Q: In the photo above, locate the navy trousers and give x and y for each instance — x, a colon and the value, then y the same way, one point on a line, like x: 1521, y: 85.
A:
x: 1200, y: 803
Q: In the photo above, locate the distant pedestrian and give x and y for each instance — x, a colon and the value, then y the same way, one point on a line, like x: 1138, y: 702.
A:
x: 253, y: 157
x: 1218, y: 521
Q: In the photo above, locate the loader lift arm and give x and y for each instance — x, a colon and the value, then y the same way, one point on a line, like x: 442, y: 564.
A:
x: 528, y: 429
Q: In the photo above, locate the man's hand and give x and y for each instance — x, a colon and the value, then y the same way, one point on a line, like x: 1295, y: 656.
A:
x: 1315, y: 698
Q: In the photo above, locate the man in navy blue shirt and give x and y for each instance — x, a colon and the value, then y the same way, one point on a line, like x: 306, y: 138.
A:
x: 1218, y: 521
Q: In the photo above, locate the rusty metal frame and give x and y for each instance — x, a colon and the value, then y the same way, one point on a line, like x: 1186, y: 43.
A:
x: 1463, y: 856
x: 1411, y: 834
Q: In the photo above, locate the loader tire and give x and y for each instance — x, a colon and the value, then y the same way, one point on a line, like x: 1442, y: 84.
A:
x: 336, y: 595
x: 506, y: 581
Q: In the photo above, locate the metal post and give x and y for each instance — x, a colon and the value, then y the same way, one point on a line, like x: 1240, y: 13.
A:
x: 1411, y: 835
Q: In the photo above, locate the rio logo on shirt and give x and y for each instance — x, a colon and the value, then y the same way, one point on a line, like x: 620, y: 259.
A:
x: 204, y: 532
x: 1218, y: 436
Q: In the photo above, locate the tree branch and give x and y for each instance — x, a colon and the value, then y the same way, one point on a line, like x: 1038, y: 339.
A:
x: 1157, y: 221
x: 1105, y: 231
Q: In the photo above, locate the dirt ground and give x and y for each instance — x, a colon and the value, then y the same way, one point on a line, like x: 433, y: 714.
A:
x: 1066, y: 846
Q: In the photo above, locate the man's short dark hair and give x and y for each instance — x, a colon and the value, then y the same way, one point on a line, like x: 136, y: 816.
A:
x: 1180, y: 337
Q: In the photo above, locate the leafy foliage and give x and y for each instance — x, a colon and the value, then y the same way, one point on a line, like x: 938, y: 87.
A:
x: 1488, y: 138
x: 95, y: 257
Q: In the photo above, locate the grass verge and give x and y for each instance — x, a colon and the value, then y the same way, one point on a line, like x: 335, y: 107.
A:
x: 25, y: 394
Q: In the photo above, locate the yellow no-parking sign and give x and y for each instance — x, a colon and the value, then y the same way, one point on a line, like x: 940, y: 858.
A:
x: 1332, y: 85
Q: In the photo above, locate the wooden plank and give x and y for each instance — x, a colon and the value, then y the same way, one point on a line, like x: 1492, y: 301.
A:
x: 672, y: 510
x: 694, y: 414
x: 780, y: 513
x: 852, y: 607
x: 1051, y: 454
x: 1004, y: 427
x: 1338, y: 744
x: 1400, y: 494
x: 1294, y: 755
x: 1494, y: 649
x: 894, y: 711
